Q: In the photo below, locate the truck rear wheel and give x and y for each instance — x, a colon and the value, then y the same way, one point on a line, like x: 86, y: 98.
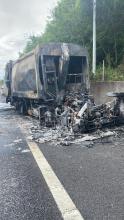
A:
x: 23, y: 108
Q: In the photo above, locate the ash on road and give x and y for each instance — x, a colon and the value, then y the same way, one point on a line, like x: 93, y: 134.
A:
x: 93, y: 176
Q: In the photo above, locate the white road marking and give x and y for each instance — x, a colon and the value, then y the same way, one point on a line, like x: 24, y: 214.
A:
x: 60, y: 195
x: 62, y: 199
x: 25, y: 151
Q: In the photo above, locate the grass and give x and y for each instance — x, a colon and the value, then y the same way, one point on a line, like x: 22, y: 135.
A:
x: 111, y: 74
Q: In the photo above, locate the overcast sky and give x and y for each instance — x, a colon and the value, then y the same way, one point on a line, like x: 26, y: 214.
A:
x: 18, y: 20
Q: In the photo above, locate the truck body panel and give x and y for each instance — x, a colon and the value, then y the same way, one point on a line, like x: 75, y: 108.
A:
x: 50, y: 70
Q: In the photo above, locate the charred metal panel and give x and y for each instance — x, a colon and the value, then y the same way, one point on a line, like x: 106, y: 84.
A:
x: 51, y: 49
x: 8, y: 78
x: 77, y: 50
x: 64, y: 52
x: 24, y: 77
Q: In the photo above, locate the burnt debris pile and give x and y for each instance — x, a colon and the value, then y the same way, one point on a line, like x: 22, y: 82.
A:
x: 79, y: 113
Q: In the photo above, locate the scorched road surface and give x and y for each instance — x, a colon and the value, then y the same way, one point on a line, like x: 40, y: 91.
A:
x: 92, y: 178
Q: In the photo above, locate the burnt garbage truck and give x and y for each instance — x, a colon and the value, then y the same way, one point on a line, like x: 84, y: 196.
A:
x: 52, y: 83
x: 42, y: 78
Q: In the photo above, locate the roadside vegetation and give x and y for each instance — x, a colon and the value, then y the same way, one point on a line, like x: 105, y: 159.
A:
x: 110, y: 73
x: 71, y: 21
x: 1, y: 82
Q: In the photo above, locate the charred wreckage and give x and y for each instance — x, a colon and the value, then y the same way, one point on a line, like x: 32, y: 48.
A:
x: 52, y: 83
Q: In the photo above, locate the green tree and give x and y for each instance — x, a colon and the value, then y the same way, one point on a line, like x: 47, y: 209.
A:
x: 32, y: 42
x: 71, y: 21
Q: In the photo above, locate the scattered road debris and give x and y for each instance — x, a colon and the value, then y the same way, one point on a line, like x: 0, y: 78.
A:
x: 25, y: 151
x: 64, y: 134
x: 66, y: 137
x: 77, y: 121
x: 17, y: 141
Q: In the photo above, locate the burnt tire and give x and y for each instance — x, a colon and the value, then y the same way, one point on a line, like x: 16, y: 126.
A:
x: 22, y: 109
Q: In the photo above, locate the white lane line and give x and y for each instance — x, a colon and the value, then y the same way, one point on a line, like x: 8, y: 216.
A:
x: 62, y: 199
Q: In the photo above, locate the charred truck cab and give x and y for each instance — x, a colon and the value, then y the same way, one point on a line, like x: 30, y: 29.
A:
x: 41, y: 78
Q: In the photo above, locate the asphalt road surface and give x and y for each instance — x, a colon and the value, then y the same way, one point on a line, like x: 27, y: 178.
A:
x: 44, y: 182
